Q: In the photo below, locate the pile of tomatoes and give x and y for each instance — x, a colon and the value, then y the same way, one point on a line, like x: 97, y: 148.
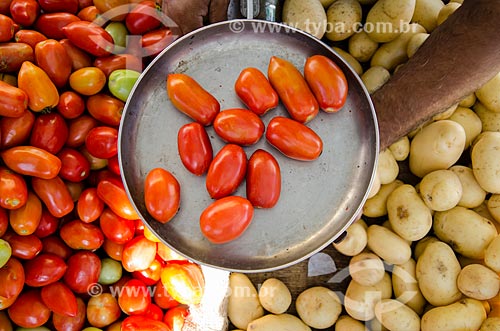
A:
x: 73, y: 252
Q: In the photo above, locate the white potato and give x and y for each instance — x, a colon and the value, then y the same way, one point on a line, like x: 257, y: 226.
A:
x: 446, y: 11
x: 366, y: 268
x: 437, y: 146
x: 375, y: 325
x: 468, y: 101
x: 318, y: 307
x: 472, y: 193
x: 445, y: 114
x: 243, y: 305
x: 466, y: 230
x: 422, y: 244
x: 344, y: 18
x: 491, y: 324
x: 353, y: 63
x: 271, y: 322
x: 387, y: 18
x: 396, y: 316
x: 466, y: 314
x: 441, y: 190
x: 308, y: 16
x: 437, y: 271
x: 388, y: 245
x: 490, y: 120
x: 489, y: 94
x: 327, y: 3
x: 492, y: 255
x: 375, y: 186
x: 470, y: 121
x: 405, y: 286
x: 274, y: 296
x: 347, y: 323
x: 361, y: 47
x: 409, y: 216
x: 401, y: 148
x: 493, y: 205
x: 376, y: 206
x: 355, y: 240
x: 485, y: 155
x: 387, y: 167
x: 375, y: 77
x: 426, y: 13
x: 478, y: 282
x: 415, y: 42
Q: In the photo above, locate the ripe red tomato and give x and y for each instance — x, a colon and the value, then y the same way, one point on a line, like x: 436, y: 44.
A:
x: 44, y: 269
x: 16, y: 130
x: 154, y: 312
x: 139, y: 323
x: 114, y: 196
x: 23, y: 247
x: 90, y: 37
x: 263, y: 181
x: 113, y: 249
x: 68, y: 323
x: 29, y: 311
x: 108, y: 64
x: 294, y: 139
x: 50, y: 132
x: 83, y: 271
x: 162, y: 194
x: 134, y: 297
x: 151, y: 275
x: 48, y: 224
x: 74, y: 165
x: 176, y: 317
x: 138, y: 254
x: 11, y: 279
x: 142, y: 18
x: 24, y: 12
x: 195, y: 148
x: 255, y: 91
x: 13, y: 100
x: 71, y: 104
x: 105, y: 108
x: 239, y: 126
x: 51, y: 56
x: 55, y: 245
x: 102, y: 310
x: 155, y: 41
x: 51, y: 24
x: 78, y: 129
x: 102, y: 142
x: 51, y: 6
x: 25, y: 220
x: 7, y: 28
x: 4, y: 221
x: 29, y: 37
x: 59, y: 299
x: 114, y: 165
x: 227, y: 171
x: 185, y: 282
x: 13, y: 54
x: 32, y: 161
x: 89, y: 206
x: 79, y: 235
x: 79, y: 58
x: 14, y: 189
x: 116, y: 228
x: 54, y: 194
x: 162, y: 298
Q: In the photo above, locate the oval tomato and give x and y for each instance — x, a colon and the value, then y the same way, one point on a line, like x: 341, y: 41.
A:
x: 89, y: 13
x: 24, y: 12
x: 71, y: 105
x: 95, y: 162
x: 121, y: 82
x: 78, y: 130
x: 151, y: 275
x: 102, y: 310
x: 44, y: 269
x: 25, y: 220
x: 41, y: 91
x: 52, y: 6
x: 50, y: 132
x: 162, y: 194
x: 51, y: 24
x: 83, y: 271
x: 138, y: 254
x: 32, y: 161
x: 134, y: 297
x: 102, y: 142
x: 14, y: 54
x: 227, y: 171
x: 90, y: 37
x: 11, y: 279
x: 48, y: 224
x: 59, y: 299
x: 115, y: 228
x: 108, y: 64
x: 138, y: 323
x: 15, y: 131
x: 142, y: 18
x: 74, y: 165
x: 87, y: 81
x: 68, y: 323
x: 255, y: 91
x: 176, y: 317
x: 13, y: 100
x: 51, y: 56
x: 162, y: 298
x: 195, y: 148
x: 113, y: 249
x: 114, y: 165
x: 4, y: 221
x: 29, y: 311
x: 263, y: 181
x: 239, y: 126
x: 154, y: 312
x: 79, y: 235
x: 7, y: 28
x: 29, y: 37
x: 79, y: 58
x: 23, y: 247
x: 105, y: 108
x: 54, y: 194
x: 184, y: 281
x: 155, y: 41
x: 14, y: 189
x: 114, y: 196
x: 89, y: 206
x: 56, y: 246
x: 105, y: 5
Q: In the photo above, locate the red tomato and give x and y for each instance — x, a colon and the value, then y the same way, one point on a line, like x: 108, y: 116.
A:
x: 51, y: 6
x: 176, y: 317
x: 115, y: 228
x: 102, y: 142
x: 59, y: 299
x: 255, y: 91
x: 51, y: 56
x: 79, y: 58
x: 55, y: 245
x: 32, y: 161
x: 189, y: 97
x: 79, y: 235
x: 89, y: 206
x: 90, y: 37
x: 44, y: 269
x: 134, y: 298
x: 11, y: 279
x: 114, y: 165
x: 108, y: 64
x: 154, y: 312
x: 29, y: 311
x: 162, y: 194
x: 51, y: 24
x: 263, y: 181
x: 13, y: 55
x: 95, y: 162
x: 151, y: 275
x: 138, y: 254
x: 162, y: 298
x: 227, y: 171
x: 67, y: 323
x: 24, y: 12
x: 105, y: 108
x: 184, y: 281
x: 239, y: 126
x: 71, y: 105
x: 142, y: 18
x: 294, y: 139
x: 114, y: 196
x: 74, y: 165
x: 292, y: 89
x: 4, y: 7
x: 7, y: 28
x: 23, y: 247
x: 13, y: 100
x: 16, y: 130
x: 139, y: 323
x: 4, y: 221
x: 14, y: 189
x: 50, y: 132
x: 113, y: 249
x: 78, y: 129
x: 83, y: 271
x: 154, y: 42
x: 41, y: 91
x: 54, y: 194
x: 29, y: 37
x: 48, y: 224
x: 25, y: 220
x: 102, y: 310
x: 195, y: 148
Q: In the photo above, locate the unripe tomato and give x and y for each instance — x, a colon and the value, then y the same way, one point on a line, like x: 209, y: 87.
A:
x: 44, y: 269
x: 184, y: 281
x: 83, y: 271
x: 195, y: 148
x: 134, y: 297
x: 121, y: 82
x: 87, y: 81
x: 255, y: 91
x: 14, y: 189
x: 51, y: 56
x: 118, y: 32
x: 59, y: 299
x: 162, y: 194
x: 29, y: 311
x: 79, y: 235
x: 239, y: 126
x: 227, y: 171
x: 31, y: 161
x: 24, y: 12
x: 41, y: 91
x: 50, y: 132
x: 263, y: 181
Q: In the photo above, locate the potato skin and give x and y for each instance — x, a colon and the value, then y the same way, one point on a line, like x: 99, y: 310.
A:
x: 466, y: 314
x: 243, y: 303
x: 318, y: 307
x: 396, y: 316
x: 273, y: 322
x: 478, y: 282
x: 274, y: 296
x: 391, y: 13
x: 308, y: 16
x: 485, y: 155
x: 388, y: 245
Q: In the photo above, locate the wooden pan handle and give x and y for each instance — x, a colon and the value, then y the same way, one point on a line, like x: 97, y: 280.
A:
x: 459, y: 56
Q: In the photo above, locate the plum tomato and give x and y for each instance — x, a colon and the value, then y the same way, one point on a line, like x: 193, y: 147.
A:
x: 50, y: 132
x: 71, y: 105
x: 176, y: 317
x: 185, y: 282
x: 134, y: 297
x: 151, y: 275
x: 162, y: 194
x: 195, y: 148
x: 14, y: 189
x: 13, y: 100
x: 255, y: 91
x: 32, y: 161
x: 74, y: 165
x: 108, y: 64
x: 24, y: 12
x: 83, y: 271
x: 79, y: 58
x: 102, y: 310
x: 79, y: 235
x: 87, y: 81
x: 55, y: 245
x: 44, y: 269
x: 23, y: 247
x: 138, y: 323
x: 263, y: 180
x: 54, y: 194
x: 78, y: 128
x: 41, y: 91
x: 143, y: 18
x: 102, y: 142
x: 105, y: 108
x: 112, y: 192
x: 90, y: 37
x: 154, y: 312
x: 162, y: 298
x: 29, y: 311
x: 59, y: 299
x: 138, y: 254
x: 68, y: 323
x: 116, y: 228
x: 51, y: 6
x: 51, y: 24
x: 11, y: 279
x: 48, y: 224
x: 25, y: 220
x: 16, y: 131
x: 4, y: 221
x: 89, y: 206
x: 239, y: 126
x: 7, y: 28
x: 51, y: 56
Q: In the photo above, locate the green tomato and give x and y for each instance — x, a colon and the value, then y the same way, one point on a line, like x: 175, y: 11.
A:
x: 5, y: 252
x: 118, y: 32
x: 121, y: 82
x: 111, y: 271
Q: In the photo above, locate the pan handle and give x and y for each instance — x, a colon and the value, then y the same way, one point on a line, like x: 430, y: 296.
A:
x: 460, y: 55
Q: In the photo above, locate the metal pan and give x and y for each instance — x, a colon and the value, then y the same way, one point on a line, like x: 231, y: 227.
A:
x: 319, y: 199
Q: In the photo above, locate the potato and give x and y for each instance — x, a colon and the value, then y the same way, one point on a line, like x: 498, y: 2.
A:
x: 375, y: 186
x: 375, y: 325
x: 478, y: 282
x: 485, y: 155
x: 426, y: 13
x: 446, y: 11
x: 274, y: 296
x: 405, y: 286
x: 387, y: 167
x: 401, y: 148
x: 422, y: 244
x: 327, y: 3
x: 387, y: 18
x: 466, y: 230
x: 376, y: 206
x: 410, y: 218
x: 493, y: 205
x: 489, y: 94
x: 470, y: 121
x: 492, y: 255
x: 318, y: 307
x: 355, y: 65
x: 361, y: 47
x: 355, y: 240
x: 344, y: 19
x: 375, y: 77
x: 388, y: 245
x: 441, y: 190
x: 472, y: 193
x: 243, y: 305
x: 437, y: 146
x: 468, y: 101
x: 306, y: 15
x: 444, y: 115
x: 437, y: 271
x: 347, y: 323
x: 415, y: 42
x: 466, y: 314
x: 490, y: 120
x: 491, y: 324
x: 271, y: 322
x: 395, y: 316
x: 366, y: 268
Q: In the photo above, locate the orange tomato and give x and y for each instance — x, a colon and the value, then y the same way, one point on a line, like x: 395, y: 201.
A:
x: 14, y: 189
x: 32, y: 161
x: 25, y: 220
x: 102, y: 310
x: 51, y: 56
x: 41, y: 91
x: 255, y: 91
x: 14, y: 54
x: 114, y: 196
x: 54, y: 194
x: 16, y: 130
x: 162, y: 194
x: 184, y: 281
x: 87, y: 81
x: 13, y: 100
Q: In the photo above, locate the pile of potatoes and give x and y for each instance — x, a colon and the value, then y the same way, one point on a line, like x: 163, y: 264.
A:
x: 433, y: 262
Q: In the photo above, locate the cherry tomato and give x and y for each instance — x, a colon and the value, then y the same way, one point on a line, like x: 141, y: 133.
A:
x: 138, y: 323
x: 162, y: 298
x: 155, y: 41
x: 90, y: 37
x: 138, y: 254
x: 79, y: 235
x: 189, y: 97
x: 89, y: 13
x: 108, y: 64
x: 23, y: 247
x: 48, y: 224
x: 115, y: 228
x: 134, y: 298
x: 13, y: 100
x: 59, y: 299
x: 54, y: 194
x: 41, y: 91
x: 79, y: 58
x: 162, y: 194
x: 74, y: 165
x: 102, y: 142
x: 89, y: 206
x: 11, y: 279
x: 44, y: 269
x: 227, y: 171
x: 184, y: 281
x: 16, y: 130
x: 71, y: 105
x: 78, y: 130
x: 7, y: 28
x: 151, y: 275
x: 105, y: 108
x: 50, y: 132
x: 255, y: 91
x: 102, y: 310
x: 154, y: 312
x: 12, y: 55
x: 87, y: 81
x: 4, y: 221
x: 294, y: 139
x: 263, y: 181
x: 239, y: 126
x: 51, y: 56
x: 51, y: 24
x: 31, y: 161
x: 24, y: 12
x: 142, y: 18
x: 114, y: 196
x: 29, y: 311
x: 52, y: 6
x: 14, y: 189
x: 29, y: 37
x: 25, y: 220
x: 55, y: 245
x: 83, y: 271
x: 113, y: 249
x: 68, y: 323
x: 195, y: 148
x: 176, y: 317
x: 292, y: 89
